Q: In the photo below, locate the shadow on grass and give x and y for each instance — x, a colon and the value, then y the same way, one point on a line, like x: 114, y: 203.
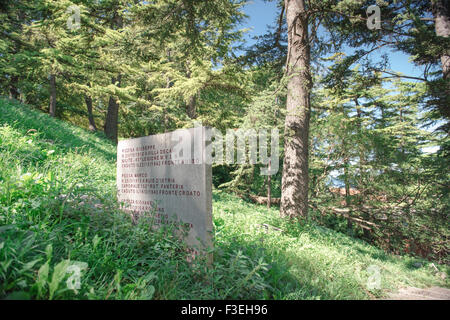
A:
x: 273, y: 283
x: 289, y: 277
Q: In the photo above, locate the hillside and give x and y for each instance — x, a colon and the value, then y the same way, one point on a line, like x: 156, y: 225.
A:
x: 58, y: 209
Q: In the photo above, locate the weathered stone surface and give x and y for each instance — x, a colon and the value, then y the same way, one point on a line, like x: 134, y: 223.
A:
x: 167, y: 174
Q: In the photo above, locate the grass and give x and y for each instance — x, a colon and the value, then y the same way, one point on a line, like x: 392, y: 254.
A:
x: 59, y: 224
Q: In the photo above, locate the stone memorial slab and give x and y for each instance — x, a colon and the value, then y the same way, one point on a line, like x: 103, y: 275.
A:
x: 168, y: 174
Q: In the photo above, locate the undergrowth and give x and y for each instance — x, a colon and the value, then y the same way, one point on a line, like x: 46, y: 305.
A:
x: 62, y: 235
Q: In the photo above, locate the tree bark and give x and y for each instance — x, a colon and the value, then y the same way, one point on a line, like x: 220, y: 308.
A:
x: 346, y: 181
x: 362, y: 160
x: 17, y: 47
x: 92, y: 126
x: 112, y: 115
x: 347, y: 190
x: 191, y: 106
x: 13, y: 91
x: 269, y: 185
x: 191, y: 112
x: 52, y: 105
x: 441, y: 12
x: 111, y: 126
x: 294, y: 199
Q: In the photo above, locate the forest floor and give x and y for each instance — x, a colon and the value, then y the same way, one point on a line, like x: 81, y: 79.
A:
x: 58, y: 210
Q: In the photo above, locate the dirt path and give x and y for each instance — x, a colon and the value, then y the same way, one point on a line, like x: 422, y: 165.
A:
x: 411, y: 293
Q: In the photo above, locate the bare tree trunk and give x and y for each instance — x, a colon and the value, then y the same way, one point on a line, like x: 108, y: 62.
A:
x: 17, y: 47
x: 441, y: 12
x: 402, y: 137
x: 92, y: 126
x: 346, y: 182
x: 345, y: 160
x: 191, y: 112
x: 13, y: 91
x: 112, y: 115
x: 52, y: 106
x: 362, y: 162
x: 191, y: 106
x: 294, y: 198
x: 269, y: 185
x: 347, y: 190
x: 362, y: 159
x: 165, y: 117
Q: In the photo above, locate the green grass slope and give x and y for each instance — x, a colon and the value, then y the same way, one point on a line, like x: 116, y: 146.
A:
x: 63, y: 237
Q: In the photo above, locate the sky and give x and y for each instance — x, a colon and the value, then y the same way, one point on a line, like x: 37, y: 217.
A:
x: 262, y: 14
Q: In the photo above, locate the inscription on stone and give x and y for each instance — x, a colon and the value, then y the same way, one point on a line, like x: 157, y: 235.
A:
x: 168, y: 175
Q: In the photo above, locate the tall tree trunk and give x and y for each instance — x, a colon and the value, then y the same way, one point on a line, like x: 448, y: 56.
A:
x: 17, y: 47
x: 191, y: 112
x: 13, y: 91
x: 92, y: 126
x: 346, y: 178
x: 112, y: 115
x: 52, y: 106
x: 345, y: 160
x: 347, y: 190
x: 362, y: 162
x: 191, y: 106
x: 111, y: 126
x: 269, y: 185
x: 362, y: 159
x: 402, y: 137
x: 165, y: 113
x: 346, y: 181
x: 294, y: 198
x: 441, y: 12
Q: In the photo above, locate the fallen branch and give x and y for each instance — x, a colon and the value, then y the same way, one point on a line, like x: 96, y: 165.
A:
x: 362, y: 223
x: 263, y: 200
